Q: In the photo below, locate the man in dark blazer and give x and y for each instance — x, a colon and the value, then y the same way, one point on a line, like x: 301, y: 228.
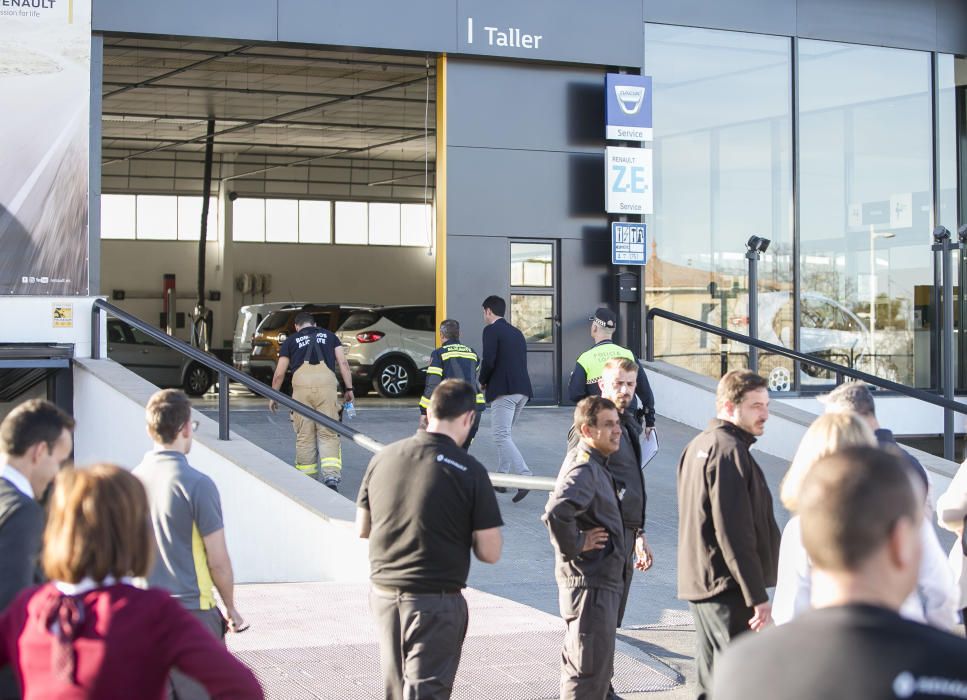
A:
x: 35, y: 440
x: 507, y: 387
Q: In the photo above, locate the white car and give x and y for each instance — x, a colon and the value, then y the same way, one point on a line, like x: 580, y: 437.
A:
x: 389, y: 347
x: 827, y: 330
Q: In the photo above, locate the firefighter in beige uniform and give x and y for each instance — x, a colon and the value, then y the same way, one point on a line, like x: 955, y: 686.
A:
x: 312, y: 354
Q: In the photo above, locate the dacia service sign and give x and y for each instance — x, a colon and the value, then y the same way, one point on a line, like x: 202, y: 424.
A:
x: 627, y: 243
x: 628, y: 107
x: 628, y: 181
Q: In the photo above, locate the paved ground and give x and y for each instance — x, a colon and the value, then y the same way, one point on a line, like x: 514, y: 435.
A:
x: 656, y: 623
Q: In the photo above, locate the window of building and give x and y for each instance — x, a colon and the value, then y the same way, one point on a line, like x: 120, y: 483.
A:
x: 315, y: 221
x: 416, y: 224
x: 118, y: 218
x: 352, y: 225
x: 384, y: 223
x: 866, y: 201
x: 281, y: 221
x: 531, y: 265
x: 723, y: 172
x: 248, y: 220
x: 157, y: 217
x: 189, y: 219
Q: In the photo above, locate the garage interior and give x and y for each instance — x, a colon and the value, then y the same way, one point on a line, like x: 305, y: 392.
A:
x: 311, y: 126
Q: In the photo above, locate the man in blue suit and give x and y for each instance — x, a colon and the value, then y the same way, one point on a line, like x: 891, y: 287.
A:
x: 507, y: 387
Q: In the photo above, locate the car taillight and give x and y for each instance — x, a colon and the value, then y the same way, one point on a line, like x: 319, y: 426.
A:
x: 369, y: 336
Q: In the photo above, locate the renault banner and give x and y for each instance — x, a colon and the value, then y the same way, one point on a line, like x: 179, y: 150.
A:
x: 45, y: 61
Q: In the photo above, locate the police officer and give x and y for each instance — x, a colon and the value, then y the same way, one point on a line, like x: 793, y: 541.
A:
x: 587, y: 369
x: 312, y: 354
x: 583, y: 517
x: 453, y: 360
x: 418, y: 572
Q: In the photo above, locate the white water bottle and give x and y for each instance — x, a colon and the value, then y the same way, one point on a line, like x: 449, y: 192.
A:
x: 349, y: 410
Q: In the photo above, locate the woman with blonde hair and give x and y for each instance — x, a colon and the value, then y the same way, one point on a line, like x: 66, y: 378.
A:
x: 89, y: 633
x: 933, y: 600
x: 829, y: 433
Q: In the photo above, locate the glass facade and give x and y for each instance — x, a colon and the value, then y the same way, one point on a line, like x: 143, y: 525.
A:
x: 855, y: 266
x: 723, y: 172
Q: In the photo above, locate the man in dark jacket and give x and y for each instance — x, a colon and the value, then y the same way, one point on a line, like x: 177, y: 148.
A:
x: 452, y: 360
x: 507, y: 387
x: 584, y: 520
x: 728, y: 539
x: 35, y: 441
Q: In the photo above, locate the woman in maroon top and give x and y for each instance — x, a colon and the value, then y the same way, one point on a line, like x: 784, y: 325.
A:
x: 89, y: 633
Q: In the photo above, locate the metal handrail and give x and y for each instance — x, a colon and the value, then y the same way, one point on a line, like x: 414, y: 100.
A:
x: 839, y: 370
x: 226, y: 372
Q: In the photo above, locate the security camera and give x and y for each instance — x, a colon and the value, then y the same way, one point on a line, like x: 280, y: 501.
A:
x: 757, y: 244
x: 941, y: 234
x: 962, y: 233
x: 232, y: 196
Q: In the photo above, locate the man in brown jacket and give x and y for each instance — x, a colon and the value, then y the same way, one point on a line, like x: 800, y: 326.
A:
x: 728, y: 539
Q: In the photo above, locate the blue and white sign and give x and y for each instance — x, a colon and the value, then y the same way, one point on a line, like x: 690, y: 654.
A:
x: 628, y: 181
x: 628, y: 107
x: 628, y: 244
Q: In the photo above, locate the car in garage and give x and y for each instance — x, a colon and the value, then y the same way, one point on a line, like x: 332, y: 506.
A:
x: 388, y: 347
x: 280, y: 324
x: 248, y: 320
x: 162, y: 366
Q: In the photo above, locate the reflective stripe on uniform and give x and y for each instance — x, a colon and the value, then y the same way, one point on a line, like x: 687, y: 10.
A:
x: 458, y: 353
x: 332, y: 462
x: 307, y: 468
x: 481, y: 399
x: 425, y: 402
x: 435, y: 370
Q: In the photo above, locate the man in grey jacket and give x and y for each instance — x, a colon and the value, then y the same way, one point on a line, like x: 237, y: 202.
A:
x: 584, y: 520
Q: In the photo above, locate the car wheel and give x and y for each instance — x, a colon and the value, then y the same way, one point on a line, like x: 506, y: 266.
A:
x: 198, y: 380
x: 393, y: 378
x: 780, y: 379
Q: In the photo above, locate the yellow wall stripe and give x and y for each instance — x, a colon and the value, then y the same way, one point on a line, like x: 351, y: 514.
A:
x: 441, y: 192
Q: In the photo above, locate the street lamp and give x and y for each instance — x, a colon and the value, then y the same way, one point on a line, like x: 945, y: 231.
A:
x: 873, y: 236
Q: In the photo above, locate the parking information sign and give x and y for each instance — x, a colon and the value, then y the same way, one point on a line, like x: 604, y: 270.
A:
x: 628, y: 107
x: 628, y: 181
x: 627, y: 243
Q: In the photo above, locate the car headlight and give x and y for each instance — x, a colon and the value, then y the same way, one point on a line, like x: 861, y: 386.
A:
x: 282, y: 337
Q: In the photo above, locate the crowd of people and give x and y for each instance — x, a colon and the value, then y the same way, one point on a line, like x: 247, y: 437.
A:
x: 111, y: 593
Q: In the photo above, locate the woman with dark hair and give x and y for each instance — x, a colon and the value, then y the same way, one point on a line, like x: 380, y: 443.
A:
x: 90, y: 633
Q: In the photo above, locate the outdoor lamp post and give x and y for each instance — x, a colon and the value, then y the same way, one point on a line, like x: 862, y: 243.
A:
x: 755, y: 246
x: 873, y: 236
x: 943, y: 246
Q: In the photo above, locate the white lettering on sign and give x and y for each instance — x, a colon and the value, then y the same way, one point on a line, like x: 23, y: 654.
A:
x: 509, y: 37
x: 513, y: 38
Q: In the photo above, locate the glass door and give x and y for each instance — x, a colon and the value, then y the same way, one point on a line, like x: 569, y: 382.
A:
x: 534, y: 310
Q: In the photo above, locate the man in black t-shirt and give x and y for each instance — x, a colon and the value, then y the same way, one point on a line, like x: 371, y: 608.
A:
x: 861, y: 512
x: 312, y: 354
x: 424, y: 504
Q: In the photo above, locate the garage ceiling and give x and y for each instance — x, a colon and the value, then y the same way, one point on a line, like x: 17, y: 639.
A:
x: 305, y: 105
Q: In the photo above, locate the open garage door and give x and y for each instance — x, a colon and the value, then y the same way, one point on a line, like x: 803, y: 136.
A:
x: 323, y: 194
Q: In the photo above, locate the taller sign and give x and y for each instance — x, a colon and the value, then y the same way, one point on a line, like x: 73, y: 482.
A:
x: 628, y: 107
x: 45, y: 78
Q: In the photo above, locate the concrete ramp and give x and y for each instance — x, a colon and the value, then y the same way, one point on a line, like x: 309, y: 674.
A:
x: 317, y: 640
